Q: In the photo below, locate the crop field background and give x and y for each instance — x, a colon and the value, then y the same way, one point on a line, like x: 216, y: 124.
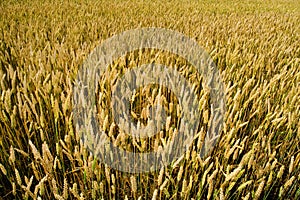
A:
x: 254, y: 44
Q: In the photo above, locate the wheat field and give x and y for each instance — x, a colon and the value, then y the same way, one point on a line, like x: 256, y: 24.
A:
x: 255, y: 45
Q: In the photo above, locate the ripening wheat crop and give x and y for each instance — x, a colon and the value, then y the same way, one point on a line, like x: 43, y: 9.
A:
x: 255, y: 45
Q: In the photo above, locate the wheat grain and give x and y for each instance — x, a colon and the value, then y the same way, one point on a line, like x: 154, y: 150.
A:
x: 289, y: 182
x: 281, y: 171
x: 291, y: 166
x: 21, y: 152
x: 184, y: 188
x: 270, y: 178
x: 274, y: 164
x: 213, y: 175
x: 54, y: 185
x: 3, y: 169
x: 244, y: 185
x: 133, y: 184
x: 160, y: 176
x: 164, y: 184
x: 113, y: 190
x: 14, y: 190
x: 18, y: 178
x: 12, y: 157
x: 233, y: 174
x: 101, y: 187
x: 155, y: 193
x: 221, y: 194
x: 36, y: 154
x: 210, y: 189
x: 74, y: 190
x: 251, y: 160
x: 259, y: 189
x: 179, y: 176
x: 107, y: 174
x: 65, y: 189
